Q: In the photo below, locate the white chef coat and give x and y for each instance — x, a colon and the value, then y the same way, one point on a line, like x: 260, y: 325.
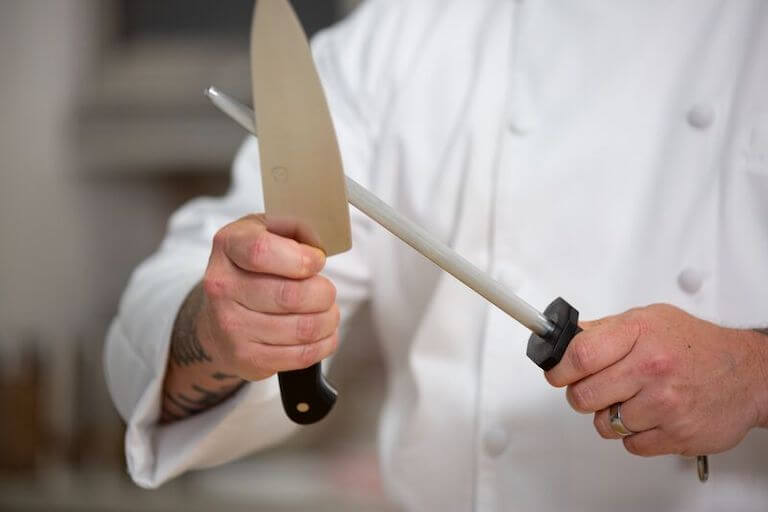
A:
x: 614, y: 153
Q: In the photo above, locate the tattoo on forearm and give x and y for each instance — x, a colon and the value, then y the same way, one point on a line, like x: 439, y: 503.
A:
x: 185, y: 347
x: 186, y: 350
x: 180, y: 405
x: 208, y: 397
x: 223, y: 376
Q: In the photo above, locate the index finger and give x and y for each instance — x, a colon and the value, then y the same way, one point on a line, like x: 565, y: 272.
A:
x: 599, y: 346
x: 249, y: 245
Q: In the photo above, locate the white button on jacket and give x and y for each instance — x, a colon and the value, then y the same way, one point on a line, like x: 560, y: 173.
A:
x: 690, y: 280
x: 701, y: 116
x: 605, y: 200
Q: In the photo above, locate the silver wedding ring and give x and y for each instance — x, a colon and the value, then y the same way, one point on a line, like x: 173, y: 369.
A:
x: 616, y: 424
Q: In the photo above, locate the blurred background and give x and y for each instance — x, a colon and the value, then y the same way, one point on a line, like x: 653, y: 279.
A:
x: 104, y: 131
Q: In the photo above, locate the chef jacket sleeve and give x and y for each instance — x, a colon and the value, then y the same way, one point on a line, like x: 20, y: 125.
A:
x: 137, y: 343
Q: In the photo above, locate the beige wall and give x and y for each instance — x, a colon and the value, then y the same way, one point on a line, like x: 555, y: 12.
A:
x: 62, y: 259
x: 41, y: 252
x: 67, y: 239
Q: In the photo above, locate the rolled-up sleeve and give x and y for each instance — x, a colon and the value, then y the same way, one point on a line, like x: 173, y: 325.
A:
x: 137, y: 349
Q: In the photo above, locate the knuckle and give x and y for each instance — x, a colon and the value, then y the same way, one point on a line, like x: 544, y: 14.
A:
x: 289, y: 295
x: 215, y: 286
x: 259, y: 249
x: 220, y: 239
x: 657, y: 365
x: 306, y: 327
x: 308, y: 355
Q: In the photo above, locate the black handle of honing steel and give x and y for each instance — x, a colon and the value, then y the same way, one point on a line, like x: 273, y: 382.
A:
x: 547, y: 351
x: 307, y: 396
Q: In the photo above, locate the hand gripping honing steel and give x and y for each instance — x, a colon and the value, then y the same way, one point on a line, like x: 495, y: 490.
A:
x: 303, y: 180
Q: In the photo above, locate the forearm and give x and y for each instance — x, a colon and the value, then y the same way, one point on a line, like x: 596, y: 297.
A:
x: 194, y: 380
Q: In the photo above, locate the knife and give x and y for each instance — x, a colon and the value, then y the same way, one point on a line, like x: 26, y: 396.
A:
x: 301, y: 170
x: 293, y: 96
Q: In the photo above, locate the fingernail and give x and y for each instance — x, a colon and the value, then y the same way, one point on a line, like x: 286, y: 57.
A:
x: 316, y: 261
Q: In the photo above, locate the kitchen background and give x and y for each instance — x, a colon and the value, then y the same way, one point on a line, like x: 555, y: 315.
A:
x: 103, y: 133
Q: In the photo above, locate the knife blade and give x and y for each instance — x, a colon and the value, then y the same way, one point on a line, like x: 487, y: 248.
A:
x: 301, y: 169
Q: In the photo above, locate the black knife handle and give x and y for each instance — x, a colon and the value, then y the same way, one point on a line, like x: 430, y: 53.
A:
x: 547, y: 351
x: 307, y: 396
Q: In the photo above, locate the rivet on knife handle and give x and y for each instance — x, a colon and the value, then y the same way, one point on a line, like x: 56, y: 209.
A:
x: 307, y: 396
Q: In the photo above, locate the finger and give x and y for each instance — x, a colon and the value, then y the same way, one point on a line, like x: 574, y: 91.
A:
x: 593, y: 350
x: 648, y: 409
x: 255, y: 358
x: 249, y: 245
x: 289, y: 227
x: 289, y: 329
x: 617, y: 383
x: 602, y: 423
x: 591, y: 324
x: 272, y: 294
x: 651, y: 443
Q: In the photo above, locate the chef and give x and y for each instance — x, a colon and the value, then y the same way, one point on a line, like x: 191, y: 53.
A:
x: 613, y: 153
